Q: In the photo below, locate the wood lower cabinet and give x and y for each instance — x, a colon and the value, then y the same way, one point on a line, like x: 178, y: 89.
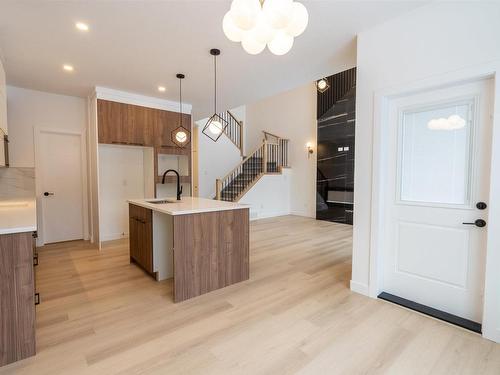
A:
x: 17, y: 297
x: 141, y: 236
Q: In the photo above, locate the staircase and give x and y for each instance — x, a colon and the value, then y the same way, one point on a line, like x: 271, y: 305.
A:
x: 268, y: 158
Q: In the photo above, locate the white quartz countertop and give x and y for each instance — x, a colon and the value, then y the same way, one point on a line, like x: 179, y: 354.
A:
x: 17, y: 215
x: 187, y: 205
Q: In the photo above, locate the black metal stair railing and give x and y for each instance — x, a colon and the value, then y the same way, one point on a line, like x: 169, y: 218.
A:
x: 234, y: 129
x: 269, y: 157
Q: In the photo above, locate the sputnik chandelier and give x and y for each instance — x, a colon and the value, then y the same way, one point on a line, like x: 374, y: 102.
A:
x: 257, y: 23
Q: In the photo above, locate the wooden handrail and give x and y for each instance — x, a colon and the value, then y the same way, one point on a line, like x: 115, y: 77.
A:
x: 233, y: 116
x: 266, y: 133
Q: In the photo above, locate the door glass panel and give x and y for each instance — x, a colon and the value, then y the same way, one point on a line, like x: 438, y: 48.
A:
x: 435, y: 151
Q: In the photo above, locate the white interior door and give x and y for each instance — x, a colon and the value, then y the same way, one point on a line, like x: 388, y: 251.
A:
x: 60, y: 185
x: 438, y: 170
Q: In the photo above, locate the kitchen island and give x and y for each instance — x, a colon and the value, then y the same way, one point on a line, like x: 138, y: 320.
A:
x: 201, y: 243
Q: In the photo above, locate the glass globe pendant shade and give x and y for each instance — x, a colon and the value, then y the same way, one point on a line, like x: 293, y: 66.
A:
x: 281, y: 43
x: 181, y: 136
x: 262, y: 32
x: 322, y: 85
x: 232, y: 32
x: 278, y: 12
x: 251, y: 45
x: 298, y: 20
x: 244, y: 13
x: 215, y: 127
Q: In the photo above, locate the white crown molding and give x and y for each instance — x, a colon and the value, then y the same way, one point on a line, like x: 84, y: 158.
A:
x: 142, y: 100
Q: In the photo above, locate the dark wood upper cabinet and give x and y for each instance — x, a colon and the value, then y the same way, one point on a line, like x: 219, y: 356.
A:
x: 111, y: 120
x: 120, y: 123
x: 140, y: 125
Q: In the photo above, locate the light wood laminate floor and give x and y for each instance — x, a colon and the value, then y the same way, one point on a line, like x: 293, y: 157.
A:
x: 296, y: 315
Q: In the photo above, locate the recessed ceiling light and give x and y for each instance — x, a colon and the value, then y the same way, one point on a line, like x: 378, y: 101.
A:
x: 161, y: 89
x: 82, y: 26
x: 68, y: 68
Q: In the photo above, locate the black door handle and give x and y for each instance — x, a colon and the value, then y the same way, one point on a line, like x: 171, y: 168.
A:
x: 478, y: 223
x: 47, y: 193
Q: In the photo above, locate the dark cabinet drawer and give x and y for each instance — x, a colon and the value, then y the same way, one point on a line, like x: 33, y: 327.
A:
x: 141, y: 236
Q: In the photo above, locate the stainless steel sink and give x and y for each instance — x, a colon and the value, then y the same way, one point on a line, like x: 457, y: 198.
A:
x: 161, y: 201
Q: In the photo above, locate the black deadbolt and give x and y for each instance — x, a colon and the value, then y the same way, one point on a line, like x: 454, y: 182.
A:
x: 481, y: 205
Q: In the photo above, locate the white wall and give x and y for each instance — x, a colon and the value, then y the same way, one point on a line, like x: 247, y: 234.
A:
x: 270, y: 196
x: 216, y: 159
x: 3, y: 100
x: 290, y: 115
x: 27, y: 109
x: 3, y: 113
x: 435, y: 44
x: 121, y: 177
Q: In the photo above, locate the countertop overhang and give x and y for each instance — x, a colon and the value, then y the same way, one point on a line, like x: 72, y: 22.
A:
x: 17, y: 215
x: 187, y: 205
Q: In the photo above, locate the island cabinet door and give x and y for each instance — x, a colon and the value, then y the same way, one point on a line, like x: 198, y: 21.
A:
x: 141, y: 237
x: 211, y: 251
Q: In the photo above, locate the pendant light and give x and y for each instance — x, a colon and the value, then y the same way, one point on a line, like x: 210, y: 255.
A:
x: 257, y: 23
x: 215, y: 125
x: 181, y: 136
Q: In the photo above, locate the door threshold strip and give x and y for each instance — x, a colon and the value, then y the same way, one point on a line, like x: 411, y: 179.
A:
x: 438, y: 314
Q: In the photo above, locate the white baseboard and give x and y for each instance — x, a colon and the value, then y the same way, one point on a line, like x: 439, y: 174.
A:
x: 303, y: 214
x: 264, y: 215
x: 360, y: 288
x: 491, y: 333
x: 113, y: 236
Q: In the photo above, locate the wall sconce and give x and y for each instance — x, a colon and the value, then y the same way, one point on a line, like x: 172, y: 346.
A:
x: 309, y: 149
x: 322, y: 85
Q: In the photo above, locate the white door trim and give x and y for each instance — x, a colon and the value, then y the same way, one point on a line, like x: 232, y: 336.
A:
x: 491, y: 308
x: 38, y: 184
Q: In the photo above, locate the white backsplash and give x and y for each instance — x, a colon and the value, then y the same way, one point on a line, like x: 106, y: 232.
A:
x: 17, y: 182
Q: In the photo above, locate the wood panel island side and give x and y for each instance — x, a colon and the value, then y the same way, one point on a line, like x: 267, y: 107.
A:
x: 202, y: 244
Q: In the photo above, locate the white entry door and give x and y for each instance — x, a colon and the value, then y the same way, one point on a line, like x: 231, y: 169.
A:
x: 60, y: 185
x: 438, y: 170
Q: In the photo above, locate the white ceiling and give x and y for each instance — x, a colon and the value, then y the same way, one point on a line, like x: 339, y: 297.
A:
x: 137, y: 45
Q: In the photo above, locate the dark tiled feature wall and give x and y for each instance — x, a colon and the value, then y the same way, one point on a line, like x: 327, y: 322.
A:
x: 336, y: 125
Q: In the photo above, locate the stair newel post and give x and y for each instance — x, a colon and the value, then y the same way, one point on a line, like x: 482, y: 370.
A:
x: 218, y: 189
x: 241, y: 138
x: 264, y: 158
